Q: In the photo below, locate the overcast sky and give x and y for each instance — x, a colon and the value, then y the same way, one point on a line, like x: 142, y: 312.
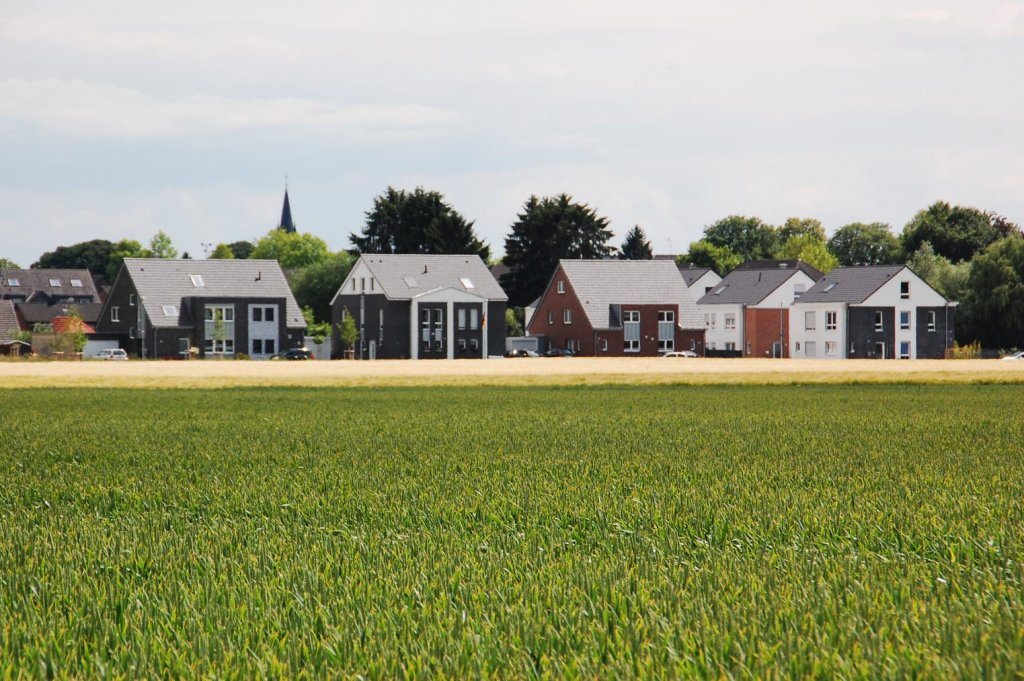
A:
x: 121, y: 118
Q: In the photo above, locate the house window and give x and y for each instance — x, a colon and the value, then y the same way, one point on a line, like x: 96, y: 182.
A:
x: 115, y: 314
x: 879, y: 321
x: 257, y: 346
x: 567, y: 316
x: 353, y: 283
x: 811, y: 349
x: 425, y: 326
x: 730, y: 321
x: 631, y: 330
x: 55, y: 283
x: 904, y: 320
x: 798, y: 346
x: 810, y: 321
x: 730, y: 346
x: 474, y: 344
x: 462, y: 345
x: 76, y: 283
x: 131, y: 299
x: 257, y: 314
x: 931, y: 320
x: 710, y: 320
x: 830, y: 321
x: 268, y: 346
x: 474, y: 319
x: 13, y: 282
x: 380, y: 330
x: 462, y: 319
x: 219, y: 329
x: 466, y: 282
x: 798, y: 290
x: 830, y: 348
x: 551, y: 317
x: 197, y: 280
x: 561, y: 286
x: 905, y: 290
x: 666, y: 330
x: 438, y: 328
x: 131, y: 332
x: 905, y: 350
x: 604, y: 345
x: 371, y: 283
x: 170, y: 310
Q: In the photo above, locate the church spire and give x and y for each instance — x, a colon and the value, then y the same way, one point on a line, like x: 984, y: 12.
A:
x: 286, y: 214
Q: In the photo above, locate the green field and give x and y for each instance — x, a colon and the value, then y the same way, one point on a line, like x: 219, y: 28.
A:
x: 659, y: 531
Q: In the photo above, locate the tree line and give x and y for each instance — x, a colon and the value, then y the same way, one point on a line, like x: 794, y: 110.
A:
x: 969, y: 255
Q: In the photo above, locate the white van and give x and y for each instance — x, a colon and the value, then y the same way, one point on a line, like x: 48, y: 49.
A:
x: 112, y: 354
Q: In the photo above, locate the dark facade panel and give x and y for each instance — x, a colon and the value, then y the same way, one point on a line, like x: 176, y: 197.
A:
x: 932, y: 342
x: 390, y: 337
x: 865, y: 340
x: 496, y: 328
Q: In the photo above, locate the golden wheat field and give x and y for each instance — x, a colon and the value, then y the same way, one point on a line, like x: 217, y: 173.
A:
x: 519, y: 371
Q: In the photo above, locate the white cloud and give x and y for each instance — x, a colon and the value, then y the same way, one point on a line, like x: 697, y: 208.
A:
x: 104, y: 110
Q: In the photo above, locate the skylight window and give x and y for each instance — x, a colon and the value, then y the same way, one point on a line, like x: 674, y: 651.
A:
x: 466, y: 282
x: 76, y: 283
x: 830, y: 286
x: 411, y: 282
x: 170, y: 310
x: 720, y: 290
x: 13, y: 282
x: 55, y: 283
x: 197, y: 280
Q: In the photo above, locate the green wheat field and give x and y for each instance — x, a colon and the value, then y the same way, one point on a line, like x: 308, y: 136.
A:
x: 590, y: 532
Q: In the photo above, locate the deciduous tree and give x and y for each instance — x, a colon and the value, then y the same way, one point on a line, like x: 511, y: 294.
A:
x: 703, y: 253
x: 748, y: 237
x: 865, y: 244
x: 955, y: 232
x: 290, y: 249
x: 993, y: 305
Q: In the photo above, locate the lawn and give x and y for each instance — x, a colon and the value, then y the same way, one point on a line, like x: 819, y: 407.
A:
x: 601, y: 531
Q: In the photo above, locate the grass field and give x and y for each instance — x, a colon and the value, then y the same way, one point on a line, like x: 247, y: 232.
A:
x: 604, y: 531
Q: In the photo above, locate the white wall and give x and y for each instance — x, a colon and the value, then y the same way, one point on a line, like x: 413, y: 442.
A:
x: 800, y: 335
x: 786, y: 293
x: 889, y: 295
x: 717, y: 335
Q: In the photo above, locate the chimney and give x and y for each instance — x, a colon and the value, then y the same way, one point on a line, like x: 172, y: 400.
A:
x: 424, y: 269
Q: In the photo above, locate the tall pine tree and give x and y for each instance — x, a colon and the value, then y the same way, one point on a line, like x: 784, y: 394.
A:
x: 636, y: 246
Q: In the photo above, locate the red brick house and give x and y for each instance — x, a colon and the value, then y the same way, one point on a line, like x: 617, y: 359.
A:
x: 608, y: 308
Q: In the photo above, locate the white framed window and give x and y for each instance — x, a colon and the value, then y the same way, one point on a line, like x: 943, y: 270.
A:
x: 170, y: 310
x: 425, y: 326
x: 710, y: 320
x: 631, y: 330
x: 798, y: 346
x: 55, y: 283
x: 219, y: 329
x: 76, y: 283
x: 604, y: 345
x: 560, y: 286
x: 798, y: 290
x: 567, y: 316
x: 879, y: 321
x: 830, y: 348
x: 904, y: 320
x: 905, y: 350
x: 830, y: 321
x: 730, y: 321
x: 666, y: 330
x: 462, y: 345
x: 115, y: 313
x: 810, y: 320
x: 551, y: 316
x: 905, y: 290
x: 13, y: 282
x: 466, y: 282
x: 197, y: 280
x: 131, y: 299
x: 474, y: 319
x: 353, y: 283
x: 461, y: 316
x: 811, y: 349
x: 131, y: 332
x: 474, y: 344
x: 931, y: 321
x: 438, y: 328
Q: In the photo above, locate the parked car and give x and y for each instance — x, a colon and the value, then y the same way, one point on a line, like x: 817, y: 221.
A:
x: 559, y: 352
x: 295, y: 353
x: 1017, y: 355
x: 115, y: 354
x: 517, y: 352
x: 680, y: 353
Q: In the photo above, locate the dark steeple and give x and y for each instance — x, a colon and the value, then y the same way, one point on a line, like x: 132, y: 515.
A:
x: 286, y: 215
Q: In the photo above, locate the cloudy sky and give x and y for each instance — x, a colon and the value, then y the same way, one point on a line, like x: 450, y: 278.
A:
x: 121, y: 118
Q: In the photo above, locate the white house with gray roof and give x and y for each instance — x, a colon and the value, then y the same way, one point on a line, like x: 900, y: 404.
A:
x: 161, y: 308
x: 747, y: 312
x: 608, y: 308
x: 409, y: 306
x: 871, y: 312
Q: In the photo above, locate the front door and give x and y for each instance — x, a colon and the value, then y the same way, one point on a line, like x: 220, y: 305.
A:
x: 263, y: 331
x: 432, y: 333
x: 880, y: 350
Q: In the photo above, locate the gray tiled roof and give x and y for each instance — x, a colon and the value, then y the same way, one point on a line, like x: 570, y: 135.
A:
x: 8, y: 320
x: 600, y: 284
x: 38, y: 281
x: 852, y: 284
x: 748, y: 285
x: 430, y: 272
x: 165, y: 282
x: 36, y: 313
x: 692, y: 274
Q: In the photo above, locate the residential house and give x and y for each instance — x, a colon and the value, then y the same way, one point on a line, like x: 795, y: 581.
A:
x: 874, y: 312
x: 39, y: 295
x: 161, y: 308
x: 9, y: 328
x: 747, y: 312
x: 422, y: 307
x: 610, y: 308
x: 699, y: 280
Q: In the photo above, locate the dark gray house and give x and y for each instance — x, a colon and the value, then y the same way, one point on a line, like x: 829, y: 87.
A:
x: 160, y: 308
x: 42, y: 294
x: 422, y: 307
x: 872, y: 312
